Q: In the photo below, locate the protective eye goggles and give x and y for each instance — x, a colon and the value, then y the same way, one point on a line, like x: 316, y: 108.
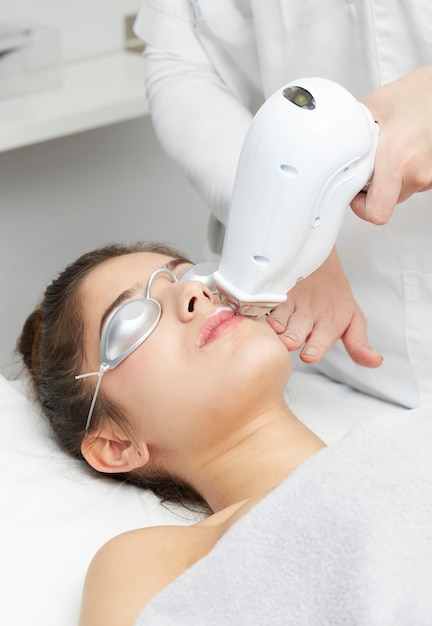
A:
x: 128, y: 326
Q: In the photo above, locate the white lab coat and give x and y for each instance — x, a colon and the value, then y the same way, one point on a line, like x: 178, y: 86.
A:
x: 211, y: 63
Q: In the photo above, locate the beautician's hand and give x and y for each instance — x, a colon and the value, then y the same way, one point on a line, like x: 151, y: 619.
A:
x: 403, y: 166
x: 319, y: 310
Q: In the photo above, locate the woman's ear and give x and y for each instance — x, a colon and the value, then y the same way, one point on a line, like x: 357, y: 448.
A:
x: 110, y: 451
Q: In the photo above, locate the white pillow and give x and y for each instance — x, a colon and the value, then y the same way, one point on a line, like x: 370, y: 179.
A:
x: 55, y: 516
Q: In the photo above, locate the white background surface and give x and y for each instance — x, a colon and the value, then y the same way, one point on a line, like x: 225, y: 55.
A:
x: 91, y: 93
x: 87, y: 27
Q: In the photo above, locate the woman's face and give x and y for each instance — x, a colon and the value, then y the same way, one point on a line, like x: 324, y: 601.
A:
x: 200, y: 366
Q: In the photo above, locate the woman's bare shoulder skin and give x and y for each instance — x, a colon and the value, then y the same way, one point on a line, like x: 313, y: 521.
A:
x: 133, y: 567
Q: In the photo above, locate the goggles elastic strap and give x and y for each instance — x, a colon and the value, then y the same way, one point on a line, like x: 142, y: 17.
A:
x: 104, y: 367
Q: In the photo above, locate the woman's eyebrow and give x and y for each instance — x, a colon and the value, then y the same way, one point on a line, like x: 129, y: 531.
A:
x: 124, y: 295
x: 171, y: 265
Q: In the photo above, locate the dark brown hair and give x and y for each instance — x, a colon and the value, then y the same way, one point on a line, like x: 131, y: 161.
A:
x: 51, y: 345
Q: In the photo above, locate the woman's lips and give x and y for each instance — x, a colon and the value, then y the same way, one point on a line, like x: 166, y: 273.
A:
x: 217, y: 324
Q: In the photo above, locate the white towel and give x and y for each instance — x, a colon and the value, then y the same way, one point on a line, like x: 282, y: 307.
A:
x: 345, y: 540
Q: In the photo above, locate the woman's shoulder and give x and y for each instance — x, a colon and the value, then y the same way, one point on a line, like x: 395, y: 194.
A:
x: 134, y: 566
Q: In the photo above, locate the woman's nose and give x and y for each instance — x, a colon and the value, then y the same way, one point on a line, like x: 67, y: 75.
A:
x: 191, y: 295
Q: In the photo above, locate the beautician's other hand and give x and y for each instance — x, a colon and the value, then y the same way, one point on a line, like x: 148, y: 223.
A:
x: 319, y: 310
x: 403, y: 165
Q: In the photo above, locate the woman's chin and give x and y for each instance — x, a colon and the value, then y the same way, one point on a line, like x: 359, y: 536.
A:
x: 267, y: 356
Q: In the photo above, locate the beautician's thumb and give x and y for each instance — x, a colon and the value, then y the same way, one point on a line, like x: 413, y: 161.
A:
x: 377, y: 204
x: 360, y: 351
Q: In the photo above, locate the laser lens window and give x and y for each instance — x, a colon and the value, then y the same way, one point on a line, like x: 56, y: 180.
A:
x: 300, y: 97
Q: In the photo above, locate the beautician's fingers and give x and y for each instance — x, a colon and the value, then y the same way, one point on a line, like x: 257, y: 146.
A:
x: 403, y: 164
x: 357, y: 345
x: 378, y: 203
x: 318, y: 311
x: 390, y: 186
x: 317, y: 336
x: 355, y: 340
x: 325, y: 294
x: 278, y: 320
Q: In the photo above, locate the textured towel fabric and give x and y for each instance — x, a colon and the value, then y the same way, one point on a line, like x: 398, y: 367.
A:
x: 345, y: 540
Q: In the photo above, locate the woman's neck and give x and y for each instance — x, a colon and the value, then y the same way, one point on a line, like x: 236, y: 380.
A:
x: 262, y: 456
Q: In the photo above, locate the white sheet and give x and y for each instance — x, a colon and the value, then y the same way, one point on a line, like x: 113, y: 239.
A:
x: 346, y: 540
x: 55, y: 514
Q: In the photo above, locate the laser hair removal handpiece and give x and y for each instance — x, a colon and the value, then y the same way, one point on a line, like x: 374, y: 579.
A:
x: 310, y: 149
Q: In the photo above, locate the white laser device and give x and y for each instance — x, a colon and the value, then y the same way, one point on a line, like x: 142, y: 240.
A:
x: 309, y: 151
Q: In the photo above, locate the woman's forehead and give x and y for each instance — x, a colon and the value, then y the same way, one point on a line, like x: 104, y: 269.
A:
x: 145, y: 262
x: 110, y: 277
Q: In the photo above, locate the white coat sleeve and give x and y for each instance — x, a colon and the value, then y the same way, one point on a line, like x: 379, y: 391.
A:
x: 199, y: 123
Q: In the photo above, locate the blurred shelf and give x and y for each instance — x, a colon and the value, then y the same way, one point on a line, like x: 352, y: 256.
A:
x: 92, y: 93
